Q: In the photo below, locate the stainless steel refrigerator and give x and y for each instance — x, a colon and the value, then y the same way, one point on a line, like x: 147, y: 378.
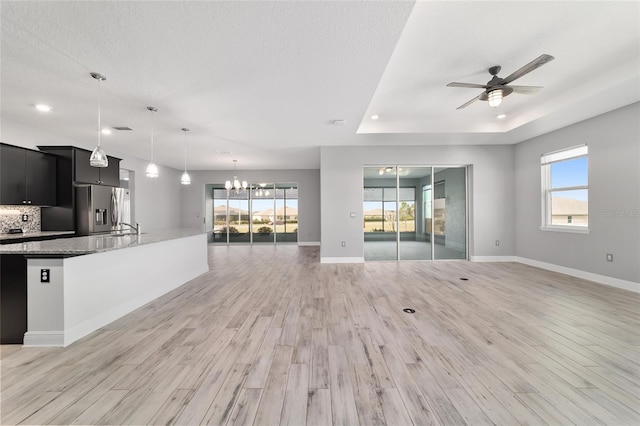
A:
x: 101, y: 209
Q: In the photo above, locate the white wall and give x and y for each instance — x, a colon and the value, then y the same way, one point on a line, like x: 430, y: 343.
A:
x: 614, y: 197
x: 194, y: 207
x: 157, y: 201
x: 491, y: 192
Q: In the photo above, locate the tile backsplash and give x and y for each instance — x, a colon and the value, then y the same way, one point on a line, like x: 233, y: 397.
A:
x: 11, y: 218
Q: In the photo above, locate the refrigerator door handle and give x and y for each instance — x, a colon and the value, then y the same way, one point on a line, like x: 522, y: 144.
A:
x: 115, y: 220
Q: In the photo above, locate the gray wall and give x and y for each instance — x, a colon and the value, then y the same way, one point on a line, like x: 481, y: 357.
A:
x: 614, y: 197
x: 194, y: 206
x: 491, y: 207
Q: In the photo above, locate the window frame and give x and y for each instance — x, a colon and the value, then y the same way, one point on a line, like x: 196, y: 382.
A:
x: 546, y: 160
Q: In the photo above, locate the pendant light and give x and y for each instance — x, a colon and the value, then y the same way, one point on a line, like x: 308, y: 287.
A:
x: 235, y: 183
x: 185, y: 179
x: 98, y: 157
x: 152, y: 169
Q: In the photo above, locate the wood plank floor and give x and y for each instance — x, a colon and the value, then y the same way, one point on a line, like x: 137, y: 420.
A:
x: 270, y: 336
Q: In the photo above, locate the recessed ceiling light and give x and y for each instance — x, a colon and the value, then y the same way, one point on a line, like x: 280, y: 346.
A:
x: 339, y: 122
x: 374, y: 117
x: 501, y: 116
x: 106, y: 131
x: 43, y: 108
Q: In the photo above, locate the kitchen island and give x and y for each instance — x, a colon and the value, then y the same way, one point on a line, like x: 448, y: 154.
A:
x: 77, y: 285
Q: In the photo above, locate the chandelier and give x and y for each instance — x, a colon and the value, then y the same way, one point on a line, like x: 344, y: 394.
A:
x: 235, y: 183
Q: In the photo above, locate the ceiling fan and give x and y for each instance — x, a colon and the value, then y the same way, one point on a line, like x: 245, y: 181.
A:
x: 497, y: 88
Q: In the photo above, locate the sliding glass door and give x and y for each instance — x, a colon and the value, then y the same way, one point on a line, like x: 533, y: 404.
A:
x: 264, y: 213
x: 380, y: 214
x: 450, y: 213
x: 414, y: 212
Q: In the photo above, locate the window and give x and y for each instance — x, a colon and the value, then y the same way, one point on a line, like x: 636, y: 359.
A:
x: 565, y: 190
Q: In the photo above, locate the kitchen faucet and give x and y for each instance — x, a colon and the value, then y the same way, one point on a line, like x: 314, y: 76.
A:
x: 135, y: 228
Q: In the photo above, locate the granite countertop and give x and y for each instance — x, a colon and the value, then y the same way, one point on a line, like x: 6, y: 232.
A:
x: 7, y: 236
x: 76, y: 246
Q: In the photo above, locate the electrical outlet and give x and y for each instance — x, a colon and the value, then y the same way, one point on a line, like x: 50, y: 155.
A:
x: 343, y: 244
x: 609, y: 257
x: 25, y: 217
x: 45, y: 275
x: 497, y: 242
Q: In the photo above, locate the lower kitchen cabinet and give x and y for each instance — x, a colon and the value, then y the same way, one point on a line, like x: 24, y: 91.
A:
x: 13, y: 298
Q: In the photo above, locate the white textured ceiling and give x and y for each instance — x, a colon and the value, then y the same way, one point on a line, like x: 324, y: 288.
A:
x: 266, y: 80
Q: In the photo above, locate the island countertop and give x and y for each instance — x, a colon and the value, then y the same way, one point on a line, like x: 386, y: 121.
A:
x: 38, y: 234
x: 76, y: 246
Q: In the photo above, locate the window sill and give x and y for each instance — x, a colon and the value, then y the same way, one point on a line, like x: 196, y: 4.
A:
x: 570, y: 229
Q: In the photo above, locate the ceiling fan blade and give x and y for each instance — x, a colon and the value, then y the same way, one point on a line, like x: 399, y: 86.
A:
x: 470, y: 102
x: 526, y: 90
x: 469, y: 85
x: 536, y: 63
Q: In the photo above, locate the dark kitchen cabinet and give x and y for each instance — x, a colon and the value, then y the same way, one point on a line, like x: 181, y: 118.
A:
x: 85, y: 173
x: 27, y: 177
x: 74, y: 169
x: 13, y: 298
x: 81, y: 171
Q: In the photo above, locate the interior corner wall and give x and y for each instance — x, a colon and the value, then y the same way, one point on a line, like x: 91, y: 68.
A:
x: 194, y: 204
x: 614, y: 197
x: 491, y: 208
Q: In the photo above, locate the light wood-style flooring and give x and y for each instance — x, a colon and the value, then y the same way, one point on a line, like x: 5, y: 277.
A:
x: 270, y: 336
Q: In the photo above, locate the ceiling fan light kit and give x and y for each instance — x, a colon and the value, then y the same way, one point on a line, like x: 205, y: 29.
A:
x: 495, y: 98
x: 498, y: 88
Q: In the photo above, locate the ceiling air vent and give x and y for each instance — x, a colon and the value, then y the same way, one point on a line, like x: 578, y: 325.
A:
x: 122, y: 128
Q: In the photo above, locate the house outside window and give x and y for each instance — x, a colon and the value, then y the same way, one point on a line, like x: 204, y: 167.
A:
x: 565, y: 190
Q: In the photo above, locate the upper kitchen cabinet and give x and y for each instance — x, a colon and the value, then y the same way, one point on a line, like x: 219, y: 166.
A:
x: 83, y: 173
x: 27, y: 177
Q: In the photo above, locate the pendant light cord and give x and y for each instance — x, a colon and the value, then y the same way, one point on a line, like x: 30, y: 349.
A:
x: 99, y: 111
x: 152, y: 130
x: 185, y: 148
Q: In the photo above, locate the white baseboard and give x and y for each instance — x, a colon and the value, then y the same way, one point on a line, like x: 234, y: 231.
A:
x: 309, y: 243
x: 44, y: 338
x: 342, y: 260
x: 600, y: 279
x: 493, y: 258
